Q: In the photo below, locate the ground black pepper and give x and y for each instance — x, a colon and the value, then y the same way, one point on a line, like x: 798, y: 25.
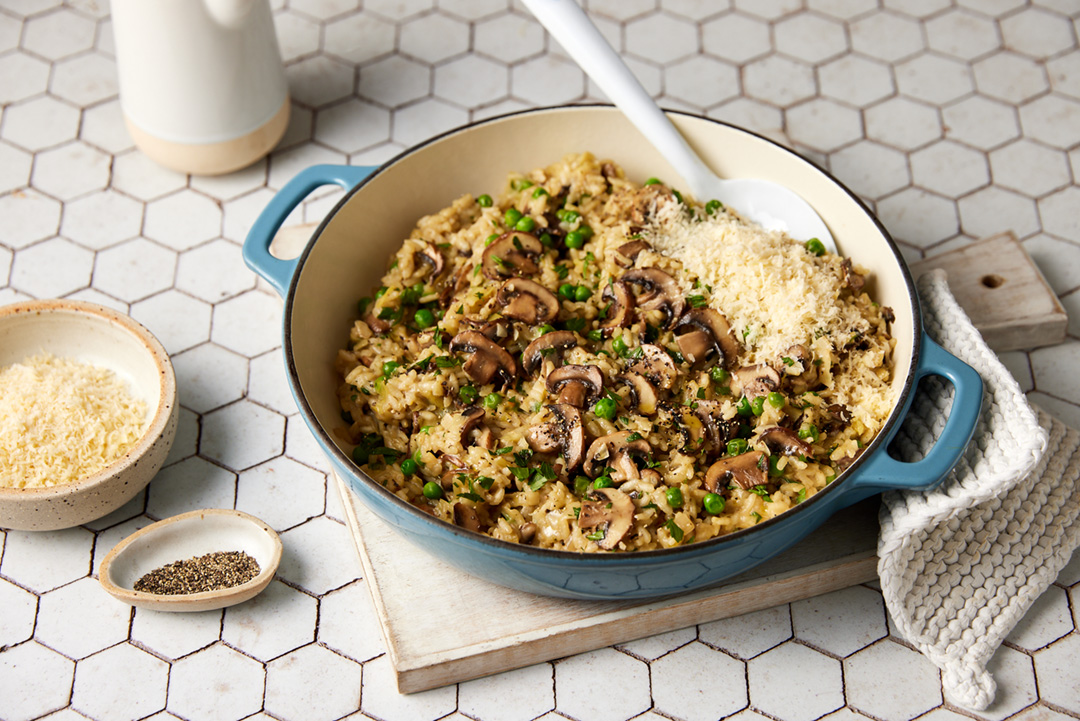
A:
x: 212, y: 572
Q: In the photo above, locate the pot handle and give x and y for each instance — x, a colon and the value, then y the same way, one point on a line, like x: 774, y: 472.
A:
x: 256, y: 250
x: 883, y: 472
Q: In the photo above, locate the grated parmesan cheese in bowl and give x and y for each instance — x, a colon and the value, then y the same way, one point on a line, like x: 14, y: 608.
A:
x: 78, y: 439
x: 62, y: 420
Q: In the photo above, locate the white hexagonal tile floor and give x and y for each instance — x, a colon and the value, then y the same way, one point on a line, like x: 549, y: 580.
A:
x: 956, y: 119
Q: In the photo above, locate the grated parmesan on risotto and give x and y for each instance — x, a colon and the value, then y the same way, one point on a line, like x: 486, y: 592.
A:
x: 594, y: 364
x: 62, y: 420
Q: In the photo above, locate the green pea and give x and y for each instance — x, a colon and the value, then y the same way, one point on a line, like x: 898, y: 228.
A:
x: 736, y: 446
x: 595, y: 335
x: 619, y: 345
x: 492, y: 401
x: 582, y: 294
x: 424, y: 318
x: 525, y: 225
x: 485, y: 201
x: 512, y: 216
x: 521, y: 184
x: 604, y: 408
x: 777, y: 400
x: 654, y: 181
x: 381, y: 292
x: 546, y: 240
x: 718, y: 374
x: 432, y: 490
x: 409, y: 467
x: 568, y: 291
x: 810, y: 431
x: 539, y: 192
x: 581, y: 484
x: 389, y: 367
x: 575, y: 239
x: 743, y: 407
x: 713, y: 503
x: 712, y: 206
x: 603, y: 482
x: 757, y: 406
x: 674, y: 497
x: 468, y: 393
x: 815, y: 246
x: 585, y: 231
x: 546, y: 328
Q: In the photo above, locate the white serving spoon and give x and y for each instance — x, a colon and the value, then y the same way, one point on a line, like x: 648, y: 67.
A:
x: 762, y: 201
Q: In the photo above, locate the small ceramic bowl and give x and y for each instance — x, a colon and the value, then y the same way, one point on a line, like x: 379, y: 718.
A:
x: 187, y: 536
x: 93, y: 334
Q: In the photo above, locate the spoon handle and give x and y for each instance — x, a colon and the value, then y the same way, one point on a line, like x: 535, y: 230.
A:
x: 577, y: 34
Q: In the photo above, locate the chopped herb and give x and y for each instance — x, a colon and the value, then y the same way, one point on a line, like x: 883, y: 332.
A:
x: 522, y: 457
x: 757, y: 517
x: 485, y: 482
x: 788, y: 361
x: 520, y: 473
x: 701, y: 393
x: 447, y: 361
x: 802, y: 495
x: 674, y: 530
x: 697, y: 301
x: 763, y: 492
x: 595, y: 536
x: 562, y: 271
x: 472, y: 496
x: 633, y: 437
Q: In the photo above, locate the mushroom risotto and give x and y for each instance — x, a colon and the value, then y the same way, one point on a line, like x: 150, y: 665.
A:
x: 588, y: 363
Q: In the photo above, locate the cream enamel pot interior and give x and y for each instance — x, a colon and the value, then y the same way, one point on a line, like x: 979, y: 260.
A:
x: 349, y: 251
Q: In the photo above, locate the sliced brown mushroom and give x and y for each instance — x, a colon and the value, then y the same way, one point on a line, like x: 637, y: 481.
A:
x: 616, y: 451
x: 620, y: 313
x: 642, y: 393
x: 785, y: 441
x: 852, y: 280
x: 745, y: 470
x: 431, y: 256
x: 462, y: 280
x: 487, y: 362
x: 511, y: 254
x: 377, y: 325
x: 527, y: 301
x: 703, y: 331
x: 655, y: 365
x: 610, y: 509
x: 577, y: 385
x: 527, y: 532
x: 564, y: 435
x: 659, y: 291
x: 550, y: 345
x: 757, y: 380
x: 627, y: 253
x: 474, y: 430
x: 835, y: 417
x: 466, y: 517
x: 717, y: 430
x: 498, y: 330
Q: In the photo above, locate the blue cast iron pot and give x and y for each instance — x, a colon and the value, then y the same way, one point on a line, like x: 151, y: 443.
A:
x: 348, y: 254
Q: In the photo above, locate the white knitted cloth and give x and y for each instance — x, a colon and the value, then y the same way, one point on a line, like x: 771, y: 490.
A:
x: 960, y: 565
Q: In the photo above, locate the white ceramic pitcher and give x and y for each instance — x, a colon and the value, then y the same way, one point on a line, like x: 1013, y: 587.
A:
x: 202, y: 86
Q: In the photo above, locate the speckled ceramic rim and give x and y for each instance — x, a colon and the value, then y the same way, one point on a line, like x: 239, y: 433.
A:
x: 207, y: 600
x: 878, y: 445
x: 94, y: 313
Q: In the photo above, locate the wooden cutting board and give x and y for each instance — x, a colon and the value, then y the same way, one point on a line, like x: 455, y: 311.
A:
x: 994, y: 280
x: 426, y: 652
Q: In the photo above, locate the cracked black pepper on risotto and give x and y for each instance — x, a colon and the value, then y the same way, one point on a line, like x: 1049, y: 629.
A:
x: 588, y: 363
